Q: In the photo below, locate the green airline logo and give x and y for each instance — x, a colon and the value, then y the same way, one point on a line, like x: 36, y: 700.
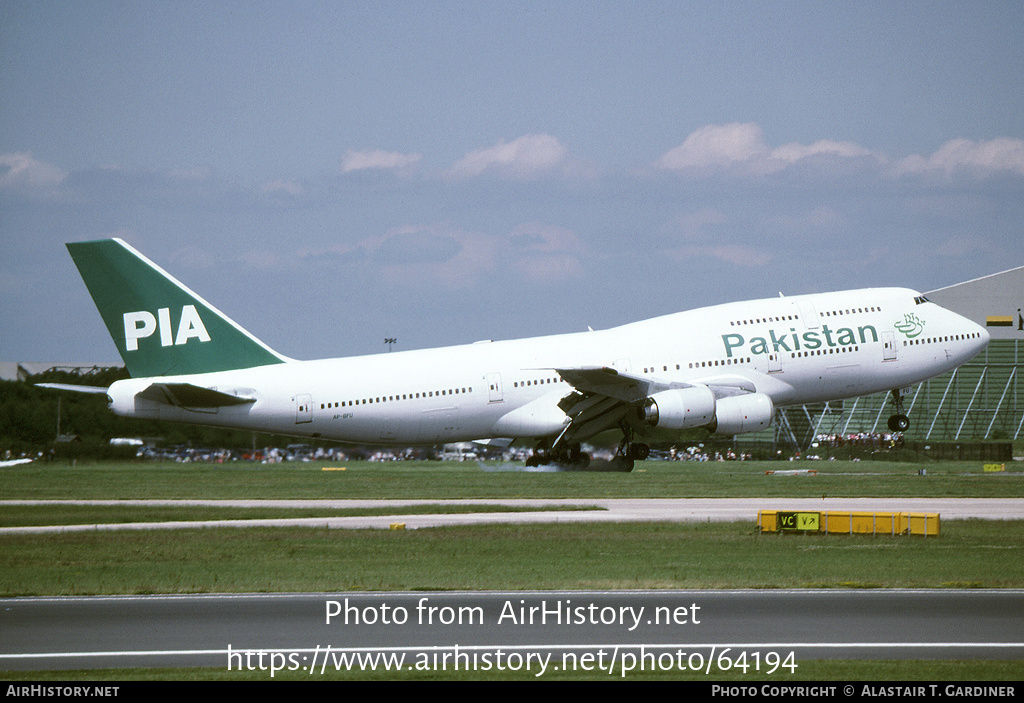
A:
x: 911, y: 325
x: 792, y: 341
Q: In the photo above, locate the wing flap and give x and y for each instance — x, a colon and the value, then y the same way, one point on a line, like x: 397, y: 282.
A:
x: 606, y: 381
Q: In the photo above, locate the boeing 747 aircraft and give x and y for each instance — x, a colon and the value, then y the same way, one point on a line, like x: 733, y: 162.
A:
x: 725, y: 368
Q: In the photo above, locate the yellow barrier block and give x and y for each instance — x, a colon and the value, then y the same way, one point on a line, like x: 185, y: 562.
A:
x: 851, y: 523
x: 926, y: 524
x: 862, y: 523
x: 398, y: 526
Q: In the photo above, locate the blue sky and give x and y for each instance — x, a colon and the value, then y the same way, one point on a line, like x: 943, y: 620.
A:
x: 330, y: 174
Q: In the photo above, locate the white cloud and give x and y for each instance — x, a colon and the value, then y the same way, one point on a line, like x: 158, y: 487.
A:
x: 995, y: 155
x: 717, y: 145
x: 24, y: 171
x: 742, y: 146
x: 791, y: 153
x: 374, y: 159
x: 525, y: 157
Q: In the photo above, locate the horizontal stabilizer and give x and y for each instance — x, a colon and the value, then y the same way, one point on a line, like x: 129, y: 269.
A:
x: 186, y: 395
x: 72, y: 387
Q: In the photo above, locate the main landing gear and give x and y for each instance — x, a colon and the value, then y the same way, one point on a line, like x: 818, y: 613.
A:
x: 898, y: 422
x: 572, y: 458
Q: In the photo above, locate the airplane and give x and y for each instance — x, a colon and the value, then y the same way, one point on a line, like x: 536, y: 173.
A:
x: 725, y: 368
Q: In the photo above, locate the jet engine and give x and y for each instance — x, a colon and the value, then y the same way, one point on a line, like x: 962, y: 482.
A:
x: 680, y: 408
x: 737, y: 414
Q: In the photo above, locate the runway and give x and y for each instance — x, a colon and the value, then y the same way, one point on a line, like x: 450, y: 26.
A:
x: 608, y: 510
x: 613, y: 632
x: 531, y: 631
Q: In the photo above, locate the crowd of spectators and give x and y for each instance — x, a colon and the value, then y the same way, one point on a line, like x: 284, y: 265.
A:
x: 876, y: 441
x: 700, y: 453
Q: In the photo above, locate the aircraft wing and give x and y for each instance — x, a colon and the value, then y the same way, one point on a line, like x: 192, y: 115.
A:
x: 605, y: 398
x: 605, y: 381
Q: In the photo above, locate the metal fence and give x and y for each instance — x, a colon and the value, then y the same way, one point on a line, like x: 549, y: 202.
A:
x: 981, y: 400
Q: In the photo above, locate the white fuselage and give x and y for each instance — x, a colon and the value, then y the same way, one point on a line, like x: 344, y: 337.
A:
x: 800, y: 349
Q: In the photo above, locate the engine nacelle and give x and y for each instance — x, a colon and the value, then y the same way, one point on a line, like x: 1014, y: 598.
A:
x: 679, y: 409
x: 737, y: 414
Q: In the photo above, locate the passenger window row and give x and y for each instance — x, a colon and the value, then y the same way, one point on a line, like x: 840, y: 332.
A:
x: 946, y: 338
x: 395, y: 398
x: 851, y: 311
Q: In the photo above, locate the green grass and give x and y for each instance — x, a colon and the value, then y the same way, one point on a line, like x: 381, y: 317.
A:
x: 969, y: 553
x: 976, y: 553
x: 436, y: 480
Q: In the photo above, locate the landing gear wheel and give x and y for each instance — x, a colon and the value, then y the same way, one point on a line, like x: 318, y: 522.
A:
x: 638, y: 451
x: 899, y: 423
x: 580, y: 461
x: 536, y: 459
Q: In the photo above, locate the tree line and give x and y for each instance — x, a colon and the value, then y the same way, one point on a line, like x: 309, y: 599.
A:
x: 31, y: 418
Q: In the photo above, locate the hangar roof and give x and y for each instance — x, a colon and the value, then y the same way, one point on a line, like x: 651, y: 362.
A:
x: 994, y: 302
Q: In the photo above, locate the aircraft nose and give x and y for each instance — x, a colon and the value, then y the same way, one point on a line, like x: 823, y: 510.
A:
x: 980, y: 340
x: 984, y: 337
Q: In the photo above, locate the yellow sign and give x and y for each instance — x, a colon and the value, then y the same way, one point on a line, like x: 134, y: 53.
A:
x: 994, y: 467
x: 808, y: 522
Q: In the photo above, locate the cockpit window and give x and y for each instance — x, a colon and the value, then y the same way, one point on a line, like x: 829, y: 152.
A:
x: 921, y: 299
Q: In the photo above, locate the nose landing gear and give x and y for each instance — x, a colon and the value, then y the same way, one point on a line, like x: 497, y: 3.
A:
x: 898, y: 422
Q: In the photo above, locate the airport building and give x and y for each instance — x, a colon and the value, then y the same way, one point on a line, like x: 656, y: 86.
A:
x: 982, y: 400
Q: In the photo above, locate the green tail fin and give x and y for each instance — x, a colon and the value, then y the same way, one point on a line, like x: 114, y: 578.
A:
x: 161, y: 327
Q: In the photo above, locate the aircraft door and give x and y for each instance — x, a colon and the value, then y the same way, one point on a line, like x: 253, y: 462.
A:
x: 494, y: 388
x: 889, y: 346
x: 303, y: 408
